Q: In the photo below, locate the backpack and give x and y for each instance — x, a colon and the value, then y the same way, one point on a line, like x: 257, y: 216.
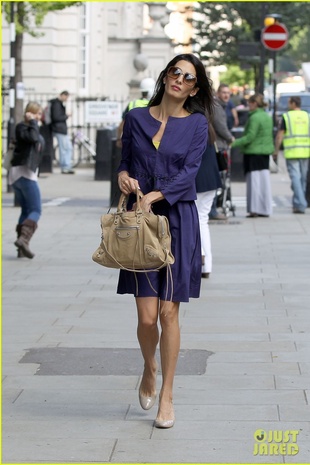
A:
x: 47, y: 114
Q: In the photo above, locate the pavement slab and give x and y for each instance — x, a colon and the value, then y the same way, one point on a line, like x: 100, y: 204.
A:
x: 251, y: 325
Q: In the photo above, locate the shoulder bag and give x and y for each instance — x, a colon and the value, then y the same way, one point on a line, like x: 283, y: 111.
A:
x: 134, y: 240
x: 8, y: 157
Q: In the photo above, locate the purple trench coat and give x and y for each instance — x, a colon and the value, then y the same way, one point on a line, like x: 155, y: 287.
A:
x: 171, y: 169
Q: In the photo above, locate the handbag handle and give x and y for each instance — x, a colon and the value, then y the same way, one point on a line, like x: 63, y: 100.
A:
x: 122, y: 204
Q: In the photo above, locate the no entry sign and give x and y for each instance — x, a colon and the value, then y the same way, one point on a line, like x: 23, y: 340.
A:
x: 275, y: 37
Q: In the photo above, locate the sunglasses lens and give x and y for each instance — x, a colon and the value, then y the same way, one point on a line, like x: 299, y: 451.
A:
x: 190, y: 79
x: 174, y: 72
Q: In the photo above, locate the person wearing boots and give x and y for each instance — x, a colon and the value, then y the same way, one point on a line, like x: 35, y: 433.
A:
x: 23, y: 176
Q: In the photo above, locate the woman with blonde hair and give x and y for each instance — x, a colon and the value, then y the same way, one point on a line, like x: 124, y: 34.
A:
x: 23, y: 176
x: 257, y: 145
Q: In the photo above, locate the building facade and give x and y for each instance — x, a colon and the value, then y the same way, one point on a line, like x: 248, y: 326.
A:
x: 90, y: 49
x: 96, y: 51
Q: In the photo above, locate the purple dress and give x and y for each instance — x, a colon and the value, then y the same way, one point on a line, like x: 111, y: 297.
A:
x: 171, y: 169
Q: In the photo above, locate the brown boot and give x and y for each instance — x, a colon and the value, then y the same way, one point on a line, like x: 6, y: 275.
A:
x: 20, y: 253
x: 28, y: 228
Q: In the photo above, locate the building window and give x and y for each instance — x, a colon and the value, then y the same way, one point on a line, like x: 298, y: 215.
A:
x: 83, y: 48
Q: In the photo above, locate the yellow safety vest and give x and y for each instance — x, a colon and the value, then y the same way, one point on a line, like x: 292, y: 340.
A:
x: 140, y: 102
x: 296, y: 141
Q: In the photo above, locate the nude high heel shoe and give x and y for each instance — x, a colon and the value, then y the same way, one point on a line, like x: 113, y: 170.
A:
x: 164, y: 423
x: 146, y: 402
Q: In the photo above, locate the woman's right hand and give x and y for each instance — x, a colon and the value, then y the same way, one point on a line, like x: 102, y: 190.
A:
x: 126, y: 183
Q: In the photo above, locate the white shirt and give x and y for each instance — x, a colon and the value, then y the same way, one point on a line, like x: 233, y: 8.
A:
x: 21, y: 171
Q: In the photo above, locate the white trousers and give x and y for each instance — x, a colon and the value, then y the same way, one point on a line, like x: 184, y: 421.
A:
x: 258, y: 192
x: 204, y: 203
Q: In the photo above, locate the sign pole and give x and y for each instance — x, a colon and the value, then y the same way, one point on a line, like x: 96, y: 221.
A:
x: 274, y: 87
x: 274, y: 37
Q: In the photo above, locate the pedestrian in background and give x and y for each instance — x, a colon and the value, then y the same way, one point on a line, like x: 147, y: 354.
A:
x: 60, y: 131
x: 257, y: 145
x: 223, y: 135
x: 23, y: 176
x: 294, y: 131
x: 162, y: 147
x: 232, y: 115
x: 208, y: 180
x: 147, y: 88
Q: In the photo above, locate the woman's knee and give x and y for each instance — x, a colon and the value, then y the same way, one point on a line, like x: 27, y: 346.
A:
x: 147, y: 313
x: 147, y: 324
x: 169, y: 313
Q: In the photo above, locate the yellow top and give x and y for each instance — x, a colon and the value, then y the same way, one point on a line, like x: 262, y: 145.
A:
x: 156, y: 144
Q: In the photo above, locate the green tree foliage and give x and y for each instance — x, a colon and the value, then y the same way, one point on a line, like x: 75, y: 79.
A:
x: 234, y: 76
x: 300, y: 46
x: 28, y: 16
x: 221, y: 27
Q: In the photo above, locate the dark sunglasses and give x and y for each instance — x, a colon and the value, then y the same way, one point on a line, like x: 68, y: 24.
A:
x: 174, y: 73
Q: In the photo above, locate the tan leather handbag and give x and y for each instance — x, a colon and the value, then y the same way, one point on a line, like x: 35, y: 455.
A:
x: 134, y: 240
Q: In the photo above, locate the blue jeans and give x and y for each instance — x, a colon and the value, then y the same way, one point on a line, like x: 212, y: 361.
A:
x: 65, y: 150
x: 28, y: 197
x: 297, y: 169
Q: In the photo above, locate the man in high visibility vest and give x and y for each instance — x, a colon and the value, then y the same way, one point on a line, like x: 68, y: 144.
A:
x: 147, y: 86
x: 294, y: 131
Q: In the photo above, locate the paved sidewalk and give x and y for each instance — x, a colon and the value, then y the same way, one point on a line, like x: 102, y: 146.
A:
x: 71, y: 364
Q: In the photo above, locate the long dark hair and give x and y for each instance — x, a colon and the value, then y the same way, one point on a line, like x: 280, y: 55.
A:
x: 203, y: 101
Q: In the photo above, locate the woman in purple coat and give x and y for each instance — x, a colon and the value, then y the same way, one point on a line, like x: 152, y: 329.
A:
x: 162, y: 146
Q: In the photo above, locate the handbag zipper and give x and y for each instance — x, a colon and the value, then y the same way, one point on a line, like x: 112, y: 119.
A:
x: 127, y: 227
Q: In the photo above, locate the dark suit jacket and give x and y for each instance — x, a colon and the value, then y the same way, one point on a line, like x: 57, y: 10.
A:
x: 208, y: 177
x: 59, y: 117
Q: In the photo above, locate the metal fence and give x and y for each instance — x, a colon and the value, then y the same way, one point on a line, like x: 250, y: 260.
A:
x: 75, y: 106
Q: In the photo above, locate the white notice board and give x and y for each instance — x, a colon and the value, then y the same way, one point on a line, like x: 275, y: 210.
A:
x: 103, y: 112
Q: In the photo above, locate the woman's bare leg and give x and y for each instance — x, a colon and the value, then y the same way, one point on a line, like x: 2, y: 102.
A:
x: 148, y: 336
x: 169, y: 352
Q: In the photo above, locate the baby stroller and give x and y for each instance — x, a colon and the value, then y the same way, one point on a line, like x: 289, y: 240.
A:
x: 223, y: 195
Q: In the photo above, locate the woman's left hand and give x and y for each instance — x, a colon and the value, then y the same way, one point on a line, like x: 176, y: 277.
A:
x: 148, y: 199
x: 146, y: 204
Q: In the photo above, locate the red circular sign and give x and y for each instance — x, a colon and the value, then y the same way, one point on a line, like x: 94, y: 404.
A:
x: 275, y: 37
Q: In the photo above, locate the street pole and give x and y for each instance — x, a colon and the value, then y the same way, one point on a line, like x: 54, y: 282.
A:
x: 274, y: 37
x: 261, y: 85
x: 274, y: 88
x: 11, y: 122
